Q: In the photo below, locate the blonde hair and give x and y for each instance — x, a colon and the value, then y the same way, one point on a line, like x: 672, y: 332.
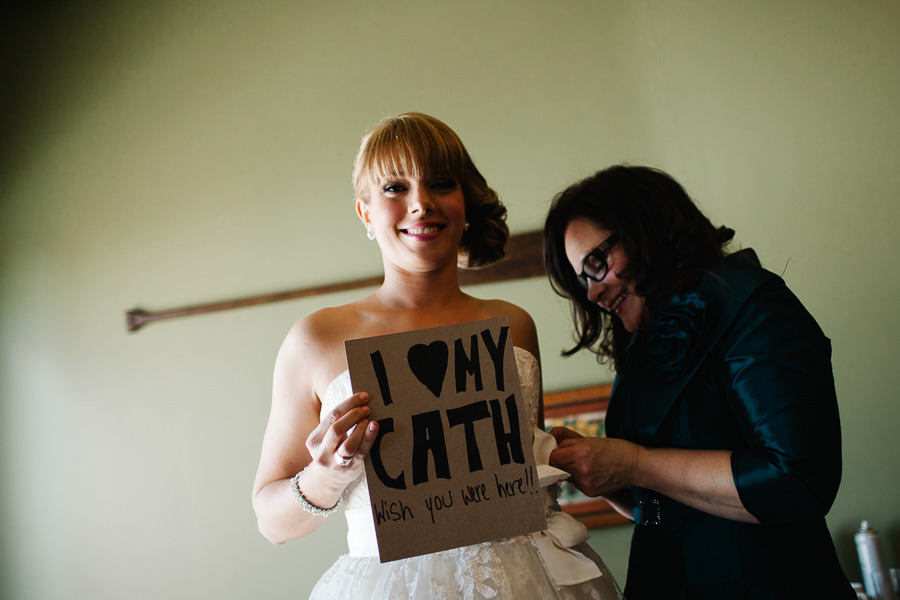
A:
x: 421, y: 146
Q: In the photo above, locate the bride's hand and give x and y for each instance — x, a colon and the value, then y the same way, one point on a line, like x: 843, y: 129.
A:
x: 343, y: 438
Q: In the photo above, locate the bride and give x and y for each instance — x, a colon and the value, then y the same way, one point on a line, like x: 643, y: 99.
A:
x: 429, y: 209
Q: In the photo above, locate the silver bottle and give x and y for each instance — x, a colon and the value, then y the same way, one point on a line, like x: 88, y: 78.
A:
x: 874, y: 572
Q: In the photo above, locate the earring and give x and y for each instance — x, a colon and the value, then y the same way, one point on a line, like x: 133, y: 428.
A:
x: 466, y: 226
x: 369, y: 233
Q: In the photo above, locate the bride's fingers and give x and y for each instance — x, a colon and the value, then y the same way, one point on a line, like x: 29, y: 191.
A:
x: 343, y: 461
x: 336, y: 429
x: 369, y: 435
x: 343, y: 408
x: 346, y: 414
x: 354, y: 401
x: 351, y: 445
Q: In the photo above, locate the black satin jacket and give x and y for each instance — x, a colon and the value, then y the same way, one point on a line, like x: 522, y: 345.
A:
x: 737, y: 365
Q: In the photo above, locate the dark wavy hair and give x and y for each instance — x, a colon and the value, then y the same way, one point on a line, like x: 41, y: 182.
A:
x: 669, y: 243
x: 420, y: 145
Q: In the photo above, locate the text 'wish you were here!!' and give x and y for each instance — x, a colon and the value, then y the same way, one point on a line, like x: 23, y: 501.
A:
x: 396, y: 510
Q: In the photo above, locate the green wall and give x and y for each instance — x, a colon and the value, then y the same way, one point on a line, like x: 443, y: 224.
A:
x: 191, y: 152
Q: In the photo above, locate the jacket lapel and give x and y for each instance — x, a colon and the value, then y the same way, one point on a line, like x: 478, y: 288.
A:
x: 641, y: 396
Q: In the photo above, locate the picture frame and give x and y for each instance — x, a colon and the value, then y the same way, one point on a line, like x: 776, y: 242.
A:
x: 582, y: 410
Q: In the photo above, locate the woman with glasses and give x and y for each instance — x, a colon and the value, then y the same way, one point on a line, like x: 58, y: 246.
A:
x: 423, y: 202
x: 723, y: 438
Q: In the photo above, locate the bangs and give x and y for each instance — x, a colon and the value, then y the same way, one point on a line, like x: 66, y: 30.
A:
x: 414, y: 147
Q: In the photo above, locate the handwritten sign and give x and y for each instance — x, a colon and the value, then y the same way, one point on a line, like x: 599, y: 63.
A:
x: 453, y: 463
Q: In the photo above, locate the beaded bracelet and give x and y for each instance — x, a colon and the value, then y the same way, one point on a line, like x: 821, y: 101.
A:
x: 306, y: 504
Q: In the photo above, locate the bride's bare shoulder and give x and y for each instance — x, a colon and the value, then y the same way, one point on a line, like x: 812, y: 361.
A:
x: 323, y: 328
x: 313, y: 349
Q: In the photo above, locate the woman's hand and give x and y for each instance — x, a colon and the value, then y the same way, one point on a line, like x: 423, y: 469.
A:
x: 343, y: 438
x: 602, y: 466
x: 598, y: 466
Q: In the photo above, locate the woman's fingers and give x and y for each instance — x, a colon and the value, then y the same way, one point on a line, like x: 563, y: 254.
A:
x: 563, y: 433
x: 598, y: 465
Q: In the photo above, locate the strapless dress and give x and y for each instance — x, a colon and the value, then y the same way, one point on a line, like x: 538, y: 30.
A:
x: 554, y: 563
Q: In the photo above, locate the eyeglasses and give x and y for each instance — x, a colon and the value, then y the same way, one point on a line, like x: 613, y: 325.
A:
x: 595, y: 266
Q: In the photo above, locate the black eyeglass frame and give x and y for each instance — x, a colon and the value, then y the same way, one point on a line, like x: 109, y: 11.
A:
x: 600, y: 254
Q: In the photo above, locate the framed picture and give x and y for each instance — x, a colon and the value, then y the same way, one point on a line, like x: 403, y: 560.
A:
x: 582, y: 410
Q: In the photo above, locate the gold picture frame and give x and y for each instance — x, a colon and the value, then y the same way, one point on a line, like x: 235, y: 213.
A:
x: 582, y: 410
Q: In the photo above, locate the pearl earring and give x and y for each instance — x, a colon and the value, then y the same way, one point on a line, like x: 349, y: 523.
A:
x: 466, y: 226
x: 369, y: 233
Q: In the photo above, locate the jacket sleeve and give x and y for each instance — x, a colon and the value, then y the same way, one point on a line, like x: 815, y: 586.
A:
x: 781, y: 390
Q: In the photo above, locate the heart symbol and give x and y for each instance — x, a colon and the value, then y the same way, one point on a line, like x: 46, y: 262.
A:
x: 429, y: 365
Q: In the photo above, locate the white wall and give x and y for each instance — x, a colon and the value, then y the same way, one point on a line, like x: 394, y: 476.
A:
x: 192, y: 152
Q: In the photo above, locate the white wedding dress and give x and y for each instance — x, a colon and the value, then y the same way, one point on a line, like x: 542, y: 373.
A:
x: 554, y: 563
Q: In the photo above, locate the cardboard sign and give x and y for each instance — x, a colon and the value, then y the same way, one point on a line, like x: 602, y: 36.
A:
x: 453, y: 464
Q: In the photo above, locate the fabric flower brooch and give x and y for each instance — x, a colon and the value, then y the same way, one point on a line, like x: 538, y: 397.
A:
x: 675, y: 335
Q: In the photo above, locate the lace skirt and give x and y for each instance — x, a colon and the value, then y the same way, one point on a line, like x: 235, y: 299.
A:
x: 505, y: 570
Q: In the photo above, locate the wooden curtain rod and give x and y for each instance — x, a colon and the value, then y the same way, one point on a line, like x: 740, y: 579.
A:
x: 524, y: 258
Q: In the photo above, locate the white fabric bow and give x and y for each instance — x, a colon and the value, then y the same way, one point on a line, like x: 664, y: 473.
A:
x: 555, y: 544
